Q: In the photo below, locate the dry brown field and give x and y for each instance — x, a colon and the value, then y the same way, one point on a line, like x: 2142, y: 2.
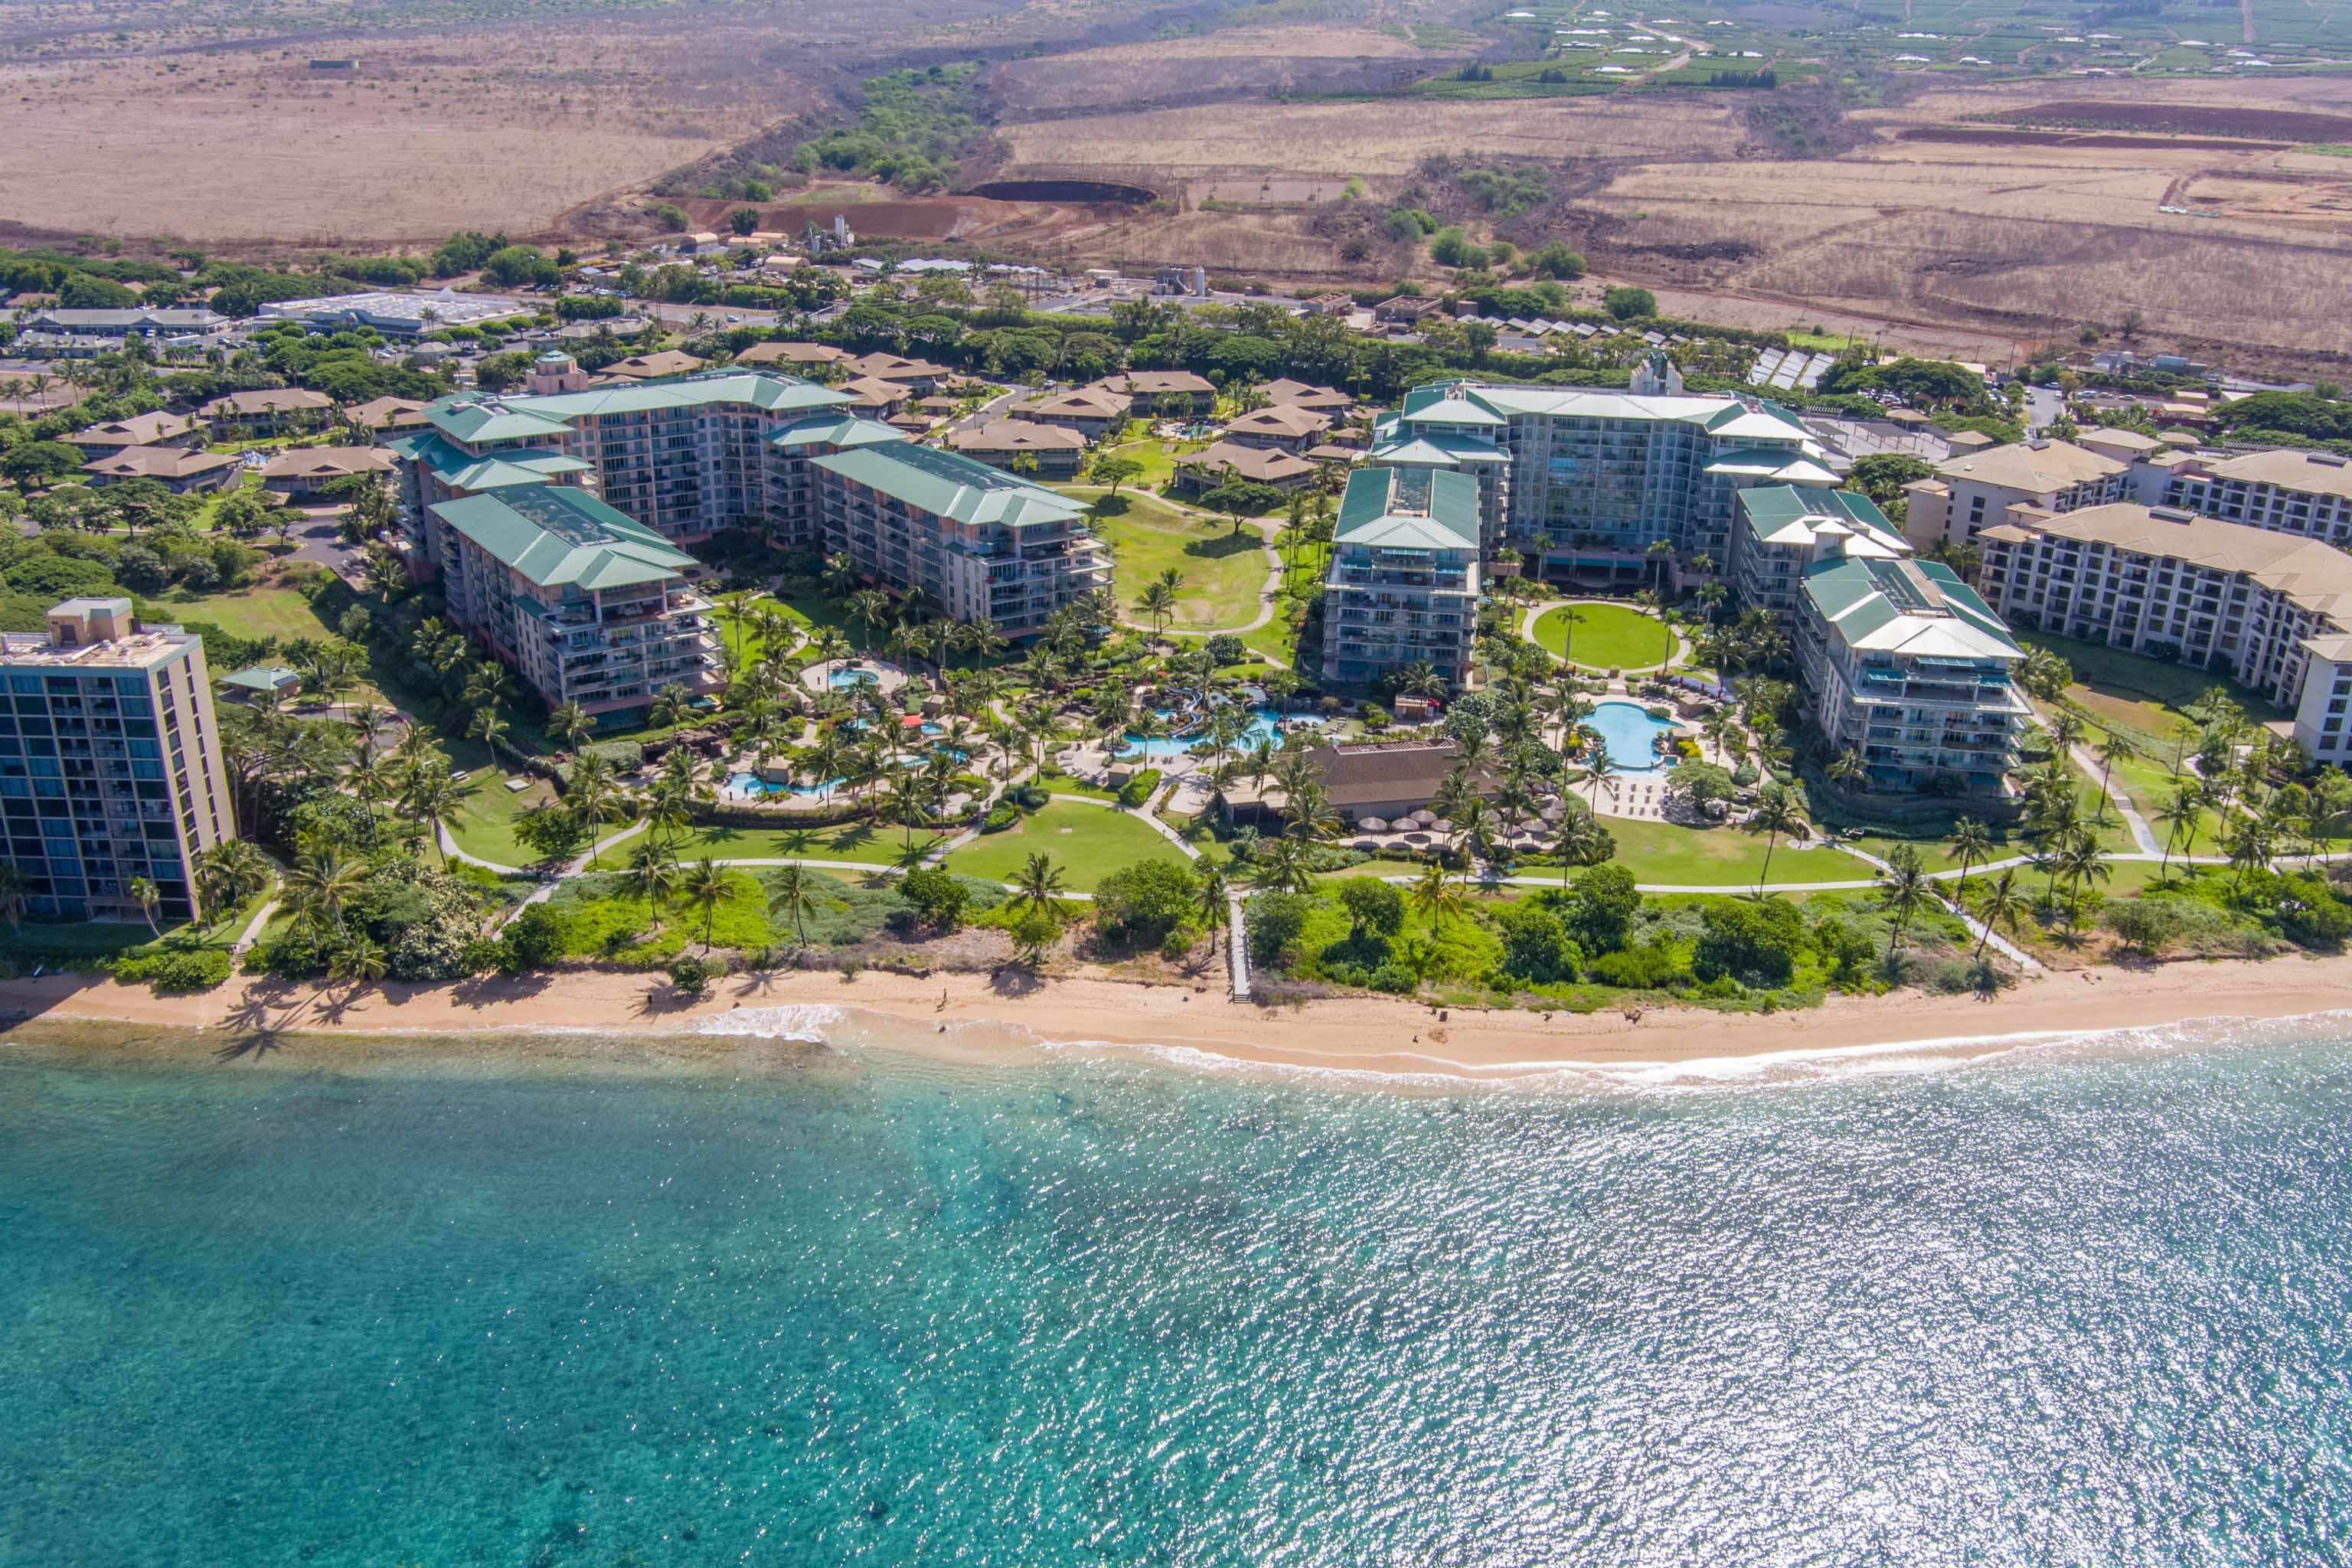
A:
x: 1947, y: 224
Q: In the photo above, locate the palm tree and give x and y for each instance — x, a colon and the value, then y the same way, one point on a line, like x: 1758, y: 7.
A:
x: 1038, y: 884
x: 794, y: 895
x: 1970, y: 842
x: 703, y: 885
x: 1211, y: 896
x: 2112, y: 750
x: 2082, y: 860
x: 1285, y: 866
x: 322, y: 883
x: 148, y: 896
x: 652, y: 876
x: 1847, y: 767
x: 2000, y: 903
x: 1157, y: 604
x: 359, y: 962
x: 2250, y: 847
x: 569, y: 723
x: 596, y: 798
x: 1435, y: 896
x: 229, y: 873
x: 869, y: 608
x: 2182, y: 812
x: 908, y: 803
x: 1776, y: 813
x: 430, y: 799
x: 1905, y: 886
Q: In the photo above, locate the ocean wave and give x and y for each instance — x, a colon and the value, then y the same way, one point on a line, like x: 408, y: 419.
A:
x: 799, y: 1020
x: 1759, y: 1070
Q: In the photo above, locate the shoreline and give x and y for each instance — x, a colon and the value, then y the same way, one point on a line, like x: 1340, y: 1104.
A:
x: 619, y: 1017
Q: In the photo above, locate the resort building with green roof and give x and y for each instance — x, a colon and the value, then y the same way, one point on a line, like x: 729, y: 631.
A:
x: 585, y: 605
x: 1905, y: 665
x: 1402, y: 586
x: 1583, y: 481
x: 1784, y: 528
x: 983, y: 544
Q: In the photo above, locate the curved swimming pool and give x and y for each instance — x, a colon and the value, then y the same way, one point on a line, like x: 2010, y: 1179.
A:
x: 1630, y: 735
x: 1265, y: 724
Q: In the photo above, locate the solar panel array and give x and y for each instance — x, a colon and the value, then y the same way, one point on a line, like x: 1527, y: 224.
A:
x: 1790, y: 368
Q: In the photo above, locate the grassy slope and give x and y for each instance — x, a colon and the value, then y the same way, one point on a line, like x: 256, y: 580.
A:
x: 1609, y: 637
x: 1087, y: 842
x: 1223, y: 571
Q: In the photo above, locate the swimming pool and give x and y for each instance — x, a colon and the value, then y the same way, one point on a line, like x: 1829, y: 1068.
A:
x: 1264, y: 725
x: 1630, y: 735
x: 841, y: 679
x: 752, y: 783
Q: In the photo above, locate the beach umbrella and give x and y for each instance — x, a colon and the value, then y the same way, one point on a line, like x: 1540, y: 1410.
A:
x: 1441, y: 824
x: 1373, y: 825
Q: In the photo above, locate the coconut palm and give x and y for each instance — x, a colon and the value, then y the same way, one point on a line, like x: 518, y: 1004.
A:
x: 793, y: 894
x: 1435, y: 897
x: 1776, y: 813
x: 2250, y: 847
x: 322, y: 883
x: 359, y: 962
x: 1970, y: 842
x: 2000, y: 903
x: 1038, y: 884
x: 1904, y: 886
x: 229, y: 873
x: 1157, y: 604
x: 2081, y: 861
x: 1286, y: 866
x: 144, y: 893
x: 430, y: 798
x: 1211, y: 896
x: 1847, y: 767
x: 2182, y: 812
x: 703, y: 885
x: 570, y: 723
x: 2112, y: 750
x: 596, y: 798
x: 652, y: 876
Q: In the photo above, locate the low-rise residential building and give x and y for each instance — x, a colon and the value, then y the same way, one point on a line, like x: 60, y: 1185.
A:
x: 2174, y: 585
x: 1288, y: 394
x: 792, y: 356
x: 653, y: 367
x: 387, y: 415
x: 2306, y: 493
x: 586, y: 606
x: 156, y: 430
x: 1285, y: 426
x: 1402, y: 586
x: 268, y: 410
x: 1089, y: 411
x: 1905, y: 664
x: 1162, y: 393
x: 1783, y: 529
x: 920, y: 377
x: 178, y: 471
x: 1056, y: 453
x: 304, y: 472
x: 876, y: 398
x: 1975, y: 491
x: 983, y: 544
x: 1221, y: 462
x: 110, y: 763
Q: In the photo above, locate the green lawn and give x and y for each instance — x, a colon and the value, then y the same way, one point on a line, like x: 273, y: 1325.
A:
x: 1158, y: 460
x: 742, y: 638
x: 867, y: 844
x: 1604, y: 636
x: 2143, y: 697
x: 1087, y: 842
x: 1223, y: 571
x: 1665, y: 854
x: 485, y: 828
x: 259, y: 612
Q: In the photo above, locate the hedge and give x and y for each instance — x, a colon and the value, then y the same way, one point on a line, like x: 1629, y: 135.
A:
x: 1138, y: 790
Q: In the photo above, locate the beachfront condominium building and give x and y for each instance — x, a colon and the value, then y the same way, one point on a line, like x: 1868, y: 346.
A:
x: 2308, y: 493
x: 587, y: 605
x: 686, y: 458
x: 1402, y: 586
x: 1970, y: 493
x: 1905, y: 664
x: 2176, y: 587
x: 1784, y: 528
x: 980, y: 544
x: 110, y: 763
x: 1583, y: 481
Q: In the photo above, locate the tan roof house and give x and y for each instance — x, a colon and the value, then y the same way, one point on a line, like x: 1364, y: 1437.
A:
x: 1215, y: 464
x: 1088, y: 410
x: 182, y: 472
x: 268, y: 410
x: 1169, y: 392
x: 654, y: 366
x: 1057, y: 451
x: 1289, y: 429
x: 799, y: 356
x: 388, y: 416
x: 305, y: 471
x: 156, y: 430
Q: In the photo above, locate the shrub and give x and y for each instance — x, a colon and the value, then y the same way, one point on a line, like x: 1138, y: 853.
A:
x: 1032, y: 795
x: 1395, y: 979
x: 1655, y: 967
x: 174, y: 969
x: 535, y: 941
x: 1139, y: 789
x: 1147, y: 901
x: 689, y: 974
x: 936, y: 895
x: 1001, y: 815
x: 624, y: 756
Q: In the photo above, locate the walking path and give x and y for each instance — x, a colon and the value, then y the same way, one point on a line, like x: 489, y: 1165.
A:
x: 253, y: 929
x: 2142, y: 833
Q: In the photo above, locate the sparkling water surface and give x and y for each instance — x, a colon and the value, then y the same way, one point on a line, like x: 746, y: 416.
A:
x: 1629, y: 735
x: 2074, y: 1306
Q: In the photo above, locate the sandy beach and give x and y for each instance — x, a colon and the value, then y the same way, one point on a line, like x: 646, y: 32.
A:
x: 968, y: 1017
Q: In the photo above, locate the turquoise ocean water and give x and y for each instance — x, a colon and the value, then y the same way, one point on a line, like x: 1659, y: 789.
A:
x: 2079, y: 1304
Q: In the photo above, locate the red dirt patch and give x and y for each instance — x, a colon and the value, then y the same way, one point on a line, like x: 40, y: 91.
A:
x: 2284, y: 124
x: 1973, y: 136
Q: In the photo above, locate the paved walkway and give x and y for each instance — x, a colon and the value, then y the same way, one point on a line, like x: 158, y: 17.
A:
x: 2142, y: 833
x: 253, y: 929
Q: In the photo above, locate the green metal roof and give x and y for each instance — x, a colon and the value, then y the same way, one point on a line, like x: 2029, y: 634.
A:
x: 460, y: 469
x: 831, y: 430
x: 1771, y: 508
x: 951, y: 485
x: 1917, y: 608
x: 475, y: 416
x: 558, y: 537
x: 262, y: 677
x: 1411, y: 508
